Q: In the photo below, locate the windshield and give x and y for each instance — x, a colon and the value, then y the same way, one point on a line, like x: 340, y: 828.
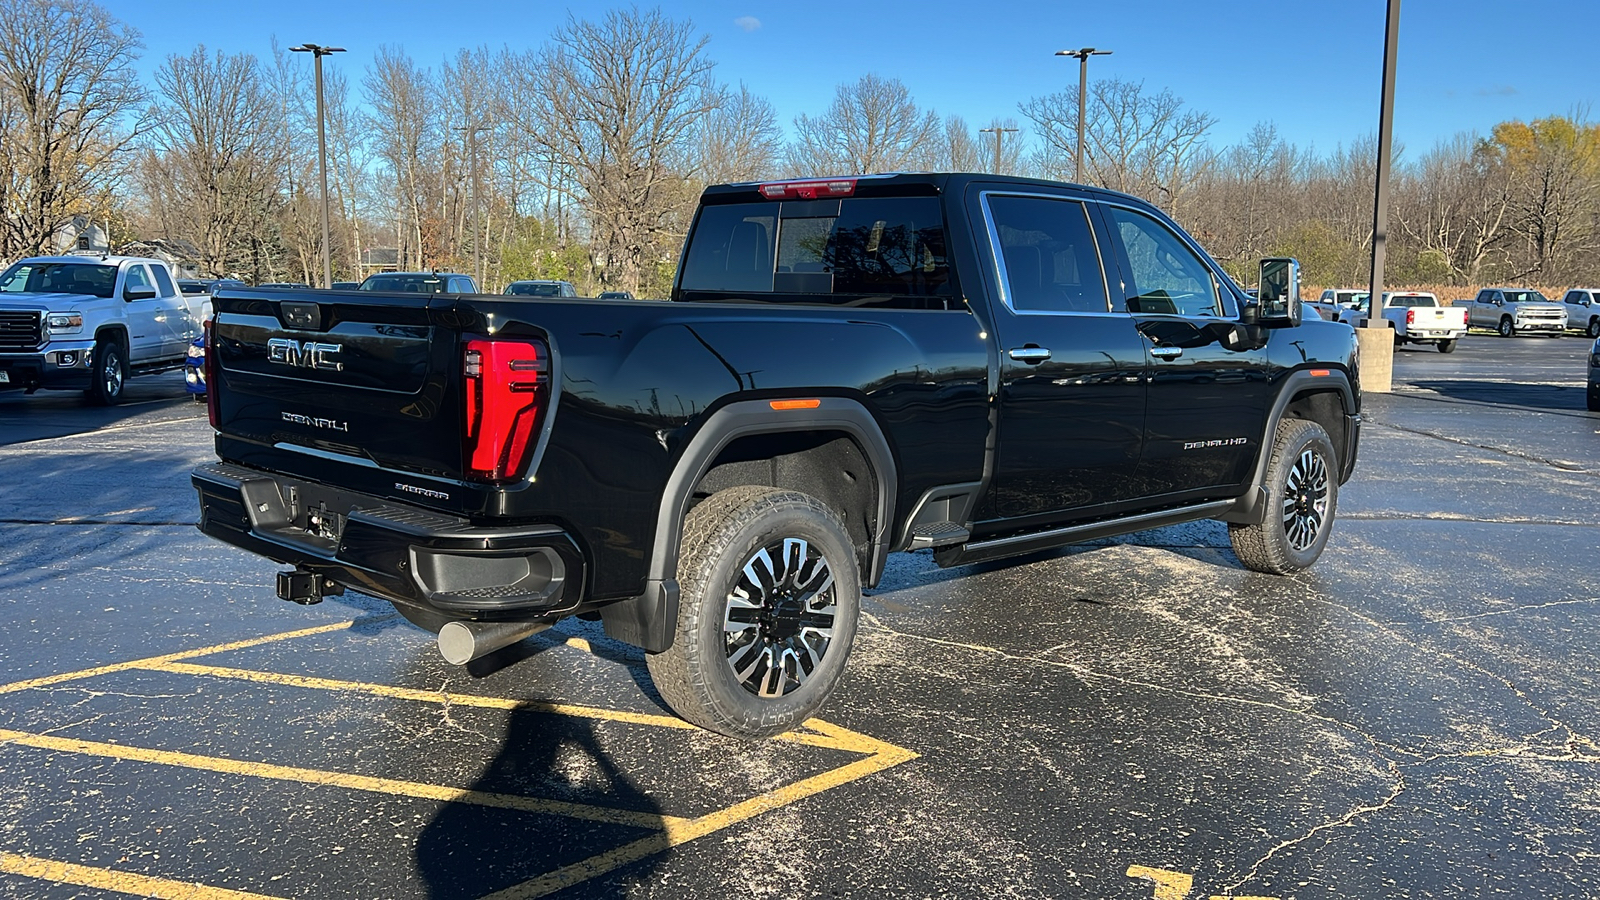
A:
x: 1352, y: 298
x: 534, y: 289
x: 63, y: 278
x: 1526, y: 297
x: 411, y: 284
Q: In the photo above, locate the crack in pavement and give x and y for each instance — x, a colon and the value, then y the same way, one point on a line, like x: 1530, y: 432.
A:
x: 1516, y: 454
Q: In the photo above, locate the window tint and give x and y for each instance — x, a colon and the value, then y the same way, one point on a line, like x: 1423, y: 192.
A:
x: 1164, y: 275
x: 1048, y: 251
x: 137, y: 278
x: 1412, y: 300
x: 886, y: 252
x: 1525, y: 297
x: 165, y: 280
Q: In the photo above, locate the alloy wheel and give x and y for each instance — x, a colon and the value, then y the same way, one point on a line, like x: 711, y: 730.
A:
x: 1305, y: 500
x: 780, y: 617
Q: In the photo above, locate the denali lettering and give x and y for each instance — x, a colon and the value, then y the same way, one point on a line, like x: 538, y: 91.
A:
x: 1223, y: 442
x: 310, y: 355
x: 316, y: 422
x: 413, y: 489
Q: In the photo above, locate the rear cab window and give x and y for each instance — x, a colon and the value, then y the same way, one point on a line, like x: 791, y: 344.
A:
x: 883, y: 252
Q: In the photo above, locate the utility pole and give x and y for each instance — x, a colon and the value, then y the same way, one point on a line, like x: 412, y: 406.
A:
x: 1377, y: 349
x: 471, y: 131
x: 1082, y: 56
x: 318, y: 52
x: 998, y: 134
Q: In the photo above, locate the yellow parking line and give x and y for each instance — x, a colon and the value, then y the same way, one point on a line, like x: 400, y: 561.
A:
x: 111, y: 880
x: 645, y: 847
x: 824, y: 735
x: 442, y: 793
x: 151, y: 661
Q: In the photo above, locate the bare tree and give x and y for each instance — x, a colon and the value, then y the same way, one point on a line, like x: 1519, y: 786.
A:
x: 407, y: 136
x: 872, y: 125
x: 614, y: 103
x: 740, y: 140
x: 70, y: 104
x: 216, y: 154
x: 1149, y: 145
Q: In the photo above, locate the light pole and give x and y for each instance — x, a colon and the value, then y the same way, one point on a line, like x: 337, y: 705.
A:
x: 318, y: 52
x: 471, y: 131
x: 1082, y: 56
x: 1377, y: 350
x: 998, y: 133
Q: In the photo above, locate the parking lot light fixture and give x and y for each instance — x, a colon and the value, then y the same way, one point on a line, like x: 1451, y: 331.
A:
x: 318, y: 52
x: 1082, y: 56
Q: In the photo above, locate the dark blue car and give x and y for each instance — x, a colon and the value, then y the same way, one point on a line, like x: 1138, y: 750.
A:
x: 194, y: 368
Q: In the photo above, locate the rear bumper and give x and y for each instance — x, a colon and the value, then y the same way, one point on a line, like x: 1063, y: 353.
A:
x: 402, y: 553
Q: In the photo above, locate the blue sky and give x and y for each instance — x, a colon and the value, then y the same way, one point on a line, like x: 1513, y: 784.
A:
x: 1313, y: 69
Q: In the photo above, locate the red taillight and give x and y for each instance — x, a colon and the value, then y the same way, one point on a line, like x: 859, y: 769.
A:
x: 1411, y: 317
x: 506, y: 388
x: 808, y: 190
x: 213, y: 412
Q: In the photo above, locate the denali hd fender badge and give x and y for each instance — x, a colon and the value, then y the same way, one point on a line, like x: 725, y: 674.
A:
x: 1223, y: 442
x: 316, y: 422
x: 424, y: 492
x: 309, y: 355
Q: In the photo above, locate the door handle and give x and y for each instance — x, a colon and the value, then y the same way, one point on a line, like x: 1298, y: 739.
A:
x: 1030, y: 354
x: 1166, y: 352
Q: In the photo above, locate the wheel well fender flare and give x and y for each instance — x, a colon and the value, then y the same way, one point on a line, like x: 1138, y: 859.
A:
x: 1250, y: 507
x: 650, y: 619
x: 751, y: 417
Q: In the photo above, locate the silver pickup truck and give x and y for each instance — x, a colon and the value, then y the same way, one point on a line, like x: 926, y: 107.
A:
x: 89, y: 322
x: 1511, y: 311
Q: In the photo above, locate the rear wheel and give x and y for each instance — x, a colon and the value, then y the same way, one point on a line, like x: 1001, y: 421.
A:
x: 109, y: 373
x: 1505, y: 328
x: 1302, y: 496
x: 1447, y: 346
x: 769, y: 596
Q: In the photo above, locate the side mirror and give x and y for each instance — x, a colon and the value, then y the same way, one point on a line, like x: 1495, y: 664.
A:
x: 138, y: 293
x: 1280, y: 292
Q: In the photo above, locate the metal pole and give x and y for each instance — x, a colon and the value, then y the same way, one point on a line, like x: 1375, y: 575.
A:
x: 1380, y: 210
x: 477, y: 226
x: 998, y: 133
x: 1083, y: 95
x: 317, y: 52
x: 322, y: 166
x: 1082, y: 55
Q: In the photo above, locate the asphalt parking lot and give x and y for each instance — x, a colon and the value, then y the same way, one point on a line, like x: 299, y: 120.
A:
x: 1138, y: 718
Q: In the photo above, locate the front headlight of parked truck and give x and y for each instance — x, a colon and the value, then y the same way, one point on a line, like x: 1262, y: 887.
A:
x: 64, y: 323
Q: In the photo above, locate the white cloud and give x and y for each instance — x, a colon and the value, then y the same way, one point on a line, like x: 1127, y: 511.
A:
x: 748, y: 23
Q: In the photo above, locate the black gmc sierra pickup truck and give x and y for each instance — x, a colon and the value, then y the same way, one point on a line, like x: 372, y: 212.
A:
x: 848, y: 367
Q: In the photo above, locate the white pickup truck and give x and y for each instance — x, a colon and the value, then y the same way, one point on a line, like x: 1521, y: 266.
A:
x: 1512, y: 311
x: 89, y: 322
x: 1336, y: 304
x: 1417, y: 318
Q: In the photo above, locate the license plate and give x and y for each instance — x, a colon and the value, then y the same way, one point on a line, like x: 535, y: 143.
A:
x: 5, y: 377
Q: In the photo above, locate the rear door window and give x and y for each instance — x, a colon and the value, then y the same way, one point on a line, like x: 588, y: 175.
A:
x: 168, y: 289
x: 884, y: 252
x: 1048, y: 252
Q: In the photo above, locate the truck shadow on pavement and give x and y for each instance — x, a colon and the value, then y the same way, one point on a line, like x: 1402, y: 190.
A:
x: 471, y: 850
x: 1511, y: 393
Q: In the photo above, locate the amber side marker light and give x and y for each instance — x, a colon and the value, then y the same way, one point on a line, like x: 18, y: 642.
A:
x: 1321, y: 373
x: 795, y: 404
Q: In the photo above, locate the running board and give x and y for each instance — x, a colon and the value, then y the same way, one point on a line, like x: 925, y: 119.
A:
x: 1018, y: 544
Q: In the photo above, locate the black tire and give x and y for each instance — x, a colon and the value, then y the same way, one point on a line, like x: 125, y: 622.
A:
x: 1302, y: 482
x: 1594, y: 400
x: 760, y: 642
x: 1505, y: 328
x: 1594, y: 327
x: 109, y: 373
x: 1447, y: 346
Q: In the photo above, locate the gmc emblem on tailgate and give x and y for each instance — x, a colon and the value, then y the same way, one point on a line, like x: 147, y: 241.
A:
x: 310, y: 355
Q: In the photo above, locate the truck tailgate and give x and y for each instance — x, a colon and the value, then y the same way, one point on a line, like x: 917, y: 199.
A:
x: 318, y: 377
